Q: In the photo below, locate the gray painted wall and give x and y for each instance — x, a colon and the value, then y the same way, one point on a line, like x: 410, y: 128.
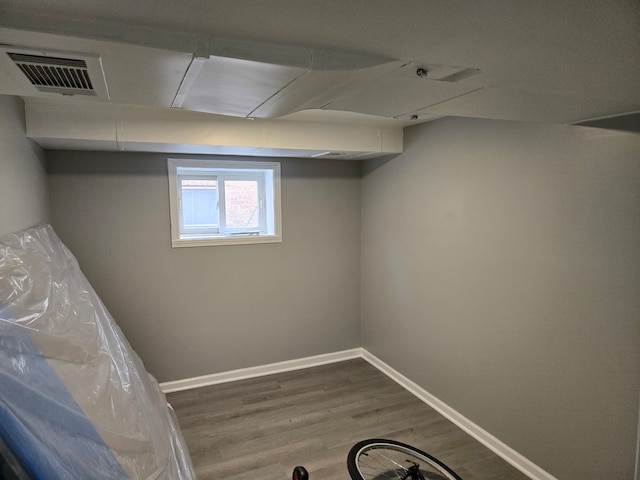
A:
x: 501, y: 272
x: 197, y: 311
x: 23, y: 181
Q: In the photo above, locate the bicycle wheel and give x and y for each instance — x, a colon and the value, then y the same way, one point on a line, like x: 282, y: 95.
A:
x: 378, y: 459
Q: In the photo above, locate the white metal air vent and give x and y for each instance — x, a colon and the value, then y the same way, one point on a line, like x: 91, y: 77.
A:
x: 67, y: 76
x: 64, y: 73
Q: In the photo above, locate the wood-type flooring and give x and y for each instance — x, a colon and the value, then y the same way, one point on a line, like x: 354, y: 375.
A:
x: 261, y: 428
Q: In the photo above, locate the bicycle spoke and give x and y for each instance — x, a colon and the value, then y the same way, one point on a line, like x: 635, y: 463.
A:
x: 384, y: 469
x: 388, y: 458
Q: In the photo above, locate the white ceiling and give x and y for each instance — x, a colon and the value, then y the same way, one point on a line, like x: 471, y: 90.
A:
x: 566, y: 61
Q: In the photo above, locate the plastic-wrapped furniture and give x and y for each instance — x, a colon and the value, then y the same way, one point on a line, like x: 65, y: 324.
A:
x: 75, y: 400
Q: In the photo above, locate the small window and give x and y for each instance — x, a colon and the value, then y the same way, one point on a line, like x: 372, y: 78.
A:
x: 222, y: 202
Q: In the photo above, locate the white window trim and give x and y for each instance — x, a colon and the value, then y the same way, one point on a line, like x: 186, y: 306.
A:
x: 272, y: 193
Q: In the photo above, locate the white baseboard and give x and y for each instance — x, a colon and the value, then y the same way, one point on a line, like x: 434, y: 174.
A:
x: 492, y: 443
x: 259, y: 371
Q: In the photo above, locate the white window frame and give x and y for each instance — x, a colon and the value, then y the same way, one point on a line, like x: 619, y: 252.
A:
x: 267, y: 174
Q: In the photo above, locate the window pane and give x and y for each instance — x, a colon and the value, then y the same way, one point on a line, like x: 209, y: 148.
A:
x: 224, y: 202
x: 242, y: 206
x: 199, y: 203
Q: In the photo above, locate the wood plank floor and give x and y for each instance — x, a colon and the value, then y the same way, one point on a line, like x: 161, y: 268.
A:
x: 261, y: 428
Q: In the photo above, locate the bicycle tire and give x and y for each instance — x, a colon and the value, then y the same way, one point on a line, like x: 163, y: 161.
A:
x: 380, y: 459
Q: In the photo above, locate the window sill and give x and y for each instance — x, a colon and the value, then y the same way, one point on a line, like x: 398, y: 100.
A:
x: 230, y: 240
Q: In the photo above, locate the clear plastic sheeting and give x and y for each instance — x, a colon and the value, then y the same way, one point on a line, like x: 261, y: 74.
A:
x: 75, y: 400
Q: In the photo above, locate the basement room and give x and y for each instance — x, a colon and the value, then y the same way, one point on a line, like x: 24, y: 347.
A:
x: 319, y: 240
